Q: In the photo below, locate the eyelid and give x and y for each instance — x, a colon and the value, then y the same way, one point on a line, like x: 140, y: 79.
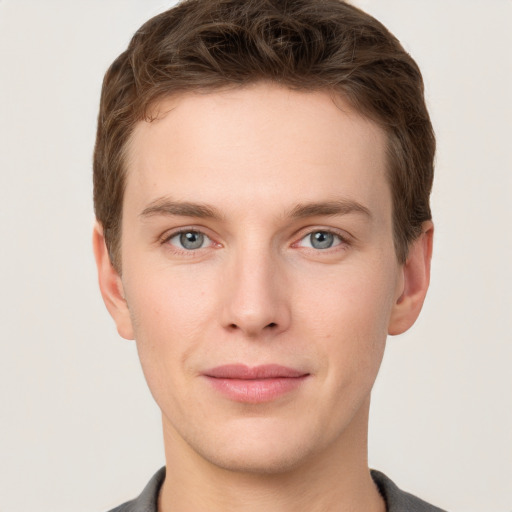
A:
x: 345, y: 238
x: 168, y: 235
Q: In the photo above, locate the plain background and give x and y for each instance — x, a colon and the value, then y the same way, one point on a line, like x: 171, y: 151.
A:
x: 78, y: 428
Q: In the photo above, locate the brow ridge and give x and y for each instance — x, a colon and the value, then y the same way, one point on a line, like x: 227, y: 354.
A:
x: 329, y: 208
x: 165, y: 206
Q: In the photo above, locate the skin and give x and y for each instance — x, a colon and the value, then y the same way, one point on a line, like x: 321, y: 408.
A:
x: 257, y: 292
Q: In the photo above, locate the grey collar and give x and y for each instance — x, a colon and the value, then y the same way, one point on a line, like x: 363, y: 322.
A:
x: 396, y: 499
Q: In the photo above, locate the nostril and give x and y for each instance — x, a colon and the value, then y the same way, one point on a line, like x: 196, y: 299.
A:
x: 235, y: 327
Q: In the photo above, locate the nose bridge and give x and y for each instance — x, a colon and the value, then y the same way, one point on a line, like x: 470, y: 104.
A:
x: 255, y: 301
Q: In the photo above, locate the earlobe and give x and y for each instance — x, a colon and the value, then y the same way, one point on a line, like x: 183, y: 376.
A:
x: 111, y: 286
x: 415, y: 282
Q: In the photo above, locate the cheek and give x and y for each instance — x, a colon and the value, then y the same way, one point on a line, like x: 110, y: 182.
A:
x: 350, y: 298
x: 350, y: 313
x: 169, y: 300
x: 169, y: 312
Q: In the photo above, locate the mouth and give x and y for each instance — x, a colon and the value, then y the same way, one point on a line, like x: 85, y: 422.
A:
x: 254, y: 385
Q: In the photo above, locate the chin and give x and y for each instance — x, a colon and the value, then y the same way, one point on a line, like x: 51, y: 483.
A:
x: 258, y: 448
x: 259, y: 460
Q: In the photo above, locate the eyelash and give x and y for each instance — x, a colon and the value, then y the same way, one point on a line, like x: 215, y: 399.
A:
x: 165, y: 240
x: 343, y: 241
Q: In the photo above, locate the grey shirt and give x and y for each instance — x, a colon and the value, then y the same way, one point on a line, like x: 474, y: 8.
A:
x: 396, y: 500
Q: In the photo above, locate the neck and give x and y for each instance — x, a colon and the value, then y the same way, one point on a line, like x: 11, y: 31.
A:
x: 336, y: 479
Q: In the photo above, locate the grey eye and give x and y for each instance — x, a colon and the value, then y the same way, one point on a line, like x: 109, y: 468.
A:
x: 321, y: 239
x: 189, y: 240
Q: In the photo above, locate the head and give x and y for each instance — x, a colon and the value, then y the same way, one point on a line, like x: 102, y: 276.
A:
x: 305, y: 45
x: 262, y: 173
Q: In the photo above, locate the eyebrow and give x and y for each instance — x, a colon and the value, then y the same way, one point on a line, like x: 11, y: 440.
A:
x: 164, y: 206
x: 329, y: 208
x: 167, y: 207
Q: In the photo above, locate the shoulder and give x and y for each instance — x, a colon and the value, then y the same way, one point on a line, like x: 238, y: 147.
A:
x: 398, y: 500
x: 147, y: 501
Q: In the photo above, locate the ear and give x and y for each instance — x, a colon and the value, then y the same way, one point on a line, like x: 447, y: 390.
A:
x: 415, y: 281
x: 111, y: 286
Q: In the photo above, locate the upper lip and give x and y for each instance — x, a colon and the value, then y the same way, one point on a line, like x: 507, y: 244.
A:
x: 244, y: 372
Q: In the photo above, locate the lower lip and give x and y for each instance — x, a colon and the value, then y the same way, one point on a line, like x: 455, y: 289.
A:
x: 256, y: 391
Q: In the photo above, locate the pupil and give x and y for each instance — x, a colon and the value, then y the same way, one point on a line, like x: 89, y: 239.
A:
x: 322, y: 240
x: 191, y: 240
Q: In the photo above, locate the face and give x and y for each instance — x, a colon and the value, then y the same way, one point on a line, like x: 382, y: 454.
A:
x: 259, y: 274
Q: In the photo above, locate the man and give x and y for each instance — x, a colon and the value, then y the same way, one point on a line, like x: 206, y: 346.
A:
x: 262, y: 175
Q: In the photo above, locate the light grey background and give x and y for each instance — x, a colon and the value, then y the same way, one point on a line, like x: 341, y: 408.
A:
x: 78, y: 428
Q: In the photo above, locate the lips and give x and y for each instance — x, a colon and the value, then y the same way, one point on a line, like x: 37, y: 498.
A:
x: 254, y: 385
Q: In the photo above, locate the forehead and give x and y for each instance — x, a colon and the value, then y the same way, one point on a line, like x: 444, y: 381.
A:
x: 259, y: 145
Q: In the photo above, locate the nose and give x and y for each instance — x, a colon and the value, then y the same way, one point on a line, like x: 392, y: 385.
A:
x: 256, y: 301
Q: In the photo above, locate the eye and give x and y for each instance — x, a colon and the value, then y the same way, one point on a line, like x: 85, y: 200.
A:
x: 321, y: 239
x: 189, y: 240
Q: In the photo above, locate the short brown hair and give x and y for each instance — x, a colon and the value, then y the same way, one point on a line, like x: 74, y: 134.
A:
x: 301, y: 44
